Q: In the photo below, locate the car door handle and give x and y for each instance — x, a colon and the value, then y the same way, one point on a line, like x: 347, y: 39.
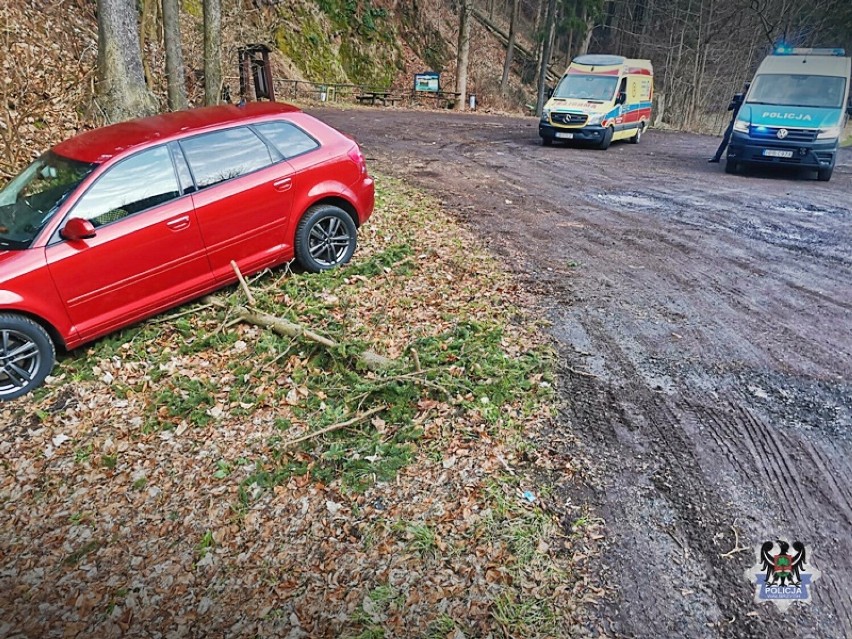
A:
x: 179, y: 223
x: 283, y: 184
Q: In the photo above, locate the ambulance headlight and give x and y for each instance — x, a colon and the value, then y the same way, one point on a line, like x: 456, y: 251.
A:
x: 596, y: 119
x: 741, y: 126
x: 545, y: 114
x: 830, y: 133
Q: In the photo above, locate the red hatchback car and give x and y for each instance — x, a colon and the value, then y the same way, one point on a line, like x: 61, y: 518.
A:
x: 121, y: 223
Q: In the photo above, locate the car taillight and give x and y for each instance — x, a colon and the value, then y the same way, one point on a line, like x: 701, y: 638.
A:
x: 358, y: 158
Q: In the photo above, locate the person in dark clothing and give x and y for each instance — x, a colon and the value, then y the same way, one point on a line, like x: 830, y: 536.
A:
x: 736, y: 103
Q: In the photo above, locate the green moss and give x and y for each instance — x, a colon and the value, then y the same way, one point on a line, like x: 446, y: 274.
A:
x: 340, y: 41
x: 193, y: 8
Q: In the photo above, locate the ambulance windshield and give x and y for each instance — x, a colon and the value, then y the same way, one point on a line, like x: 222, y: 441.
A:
x: 819, y: 91
x: 586, y: 87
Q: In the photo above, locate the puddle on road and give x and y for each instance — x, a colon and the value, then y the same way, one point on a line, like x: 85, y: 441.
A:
x: 801, y: 208
x: 632, y: 199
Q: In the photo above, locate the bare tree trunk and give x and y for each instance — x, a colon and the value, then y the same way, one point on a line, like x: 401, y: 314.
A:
x: 463, y: 53
x: 510, y: 47
x: 590, y: 28
x: 550, y: 27
x: 121, y: 93
x: 212, y: 51
x: 174, y: 55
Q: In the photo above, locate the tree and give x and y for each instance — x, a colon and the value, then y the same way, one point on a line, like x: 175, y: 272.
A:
x: 463, y: 52
x: 212, y: 51
x: 546, y: 51
x: 174, y: 55
x: 510, y: 47
x: 121, y: 93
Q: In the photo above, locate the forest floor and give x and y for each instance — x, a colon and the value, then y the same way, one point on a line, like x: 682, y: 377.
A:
x: 702, y: 322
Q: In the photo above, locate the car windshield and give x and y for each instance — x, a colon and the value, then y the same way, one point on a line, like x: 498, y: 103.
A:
x: 29, y: 200
x: 586, y: 87
x: 798, y: 90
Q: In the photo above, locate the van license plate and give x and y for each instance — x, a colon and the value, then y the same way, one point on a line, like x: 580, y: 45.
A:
x: 566, y: 136
x: 775, y: 153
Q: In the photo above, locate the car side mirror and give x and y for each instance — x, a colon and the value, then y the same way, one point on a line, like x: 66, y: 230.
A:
x: 77, y: 229
x: 622, y: 98
x: 849, y: 109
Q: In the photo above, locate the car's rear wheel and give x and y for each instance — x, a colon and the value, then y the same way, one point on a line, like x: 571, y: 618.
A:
x: 325, y: 238
x: 635, y: 139
x: 27, y: 355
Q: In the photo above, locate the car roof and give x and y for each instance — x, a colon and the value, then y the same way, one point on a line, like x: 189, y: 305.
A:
x: 99, y: 145
x: 836, y: 66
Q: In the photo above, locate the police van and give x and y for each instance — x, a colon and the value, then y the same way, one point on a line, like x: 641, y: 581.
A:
x: 794, y: 112
x: 600, y: 98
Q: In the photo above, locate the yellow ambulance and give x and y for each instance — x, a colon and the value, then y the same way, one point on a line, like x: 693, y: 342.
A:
x: 601, y: 98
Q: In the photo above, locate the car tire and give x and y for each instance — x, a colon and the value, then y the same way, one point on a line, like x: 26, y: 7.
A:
x: 27, y: 355
x: 325, y: 238
x: 607, y: 139
x: 824, y: 175
x: 636, y: 138
x: 547, y: 141
x: 731, y: 167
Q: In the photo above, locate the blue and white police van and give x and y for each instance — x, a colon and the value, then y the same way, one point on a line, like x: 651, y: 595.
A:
x: 794, y: 112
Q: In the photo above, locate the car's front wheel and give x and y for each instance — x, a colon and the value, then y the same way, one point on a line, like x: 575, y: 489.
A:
x: 325, y: 238
x: 27, y: 355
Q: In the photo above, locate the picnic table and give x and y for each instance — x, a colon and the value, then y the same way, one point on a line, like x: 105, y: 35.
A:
x: 378, y: 97
x: 441, y: 99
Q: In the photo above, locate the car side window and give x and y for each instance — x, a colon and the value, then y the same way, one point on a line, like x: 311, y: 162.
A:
x: 223, y: 155
x: 144, y: 180
x: 289, y: 139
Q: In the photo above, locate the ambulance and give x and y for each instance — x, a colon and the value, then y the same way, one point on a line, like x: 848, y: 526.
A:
x: 794, y: 112
x: 601, y: 98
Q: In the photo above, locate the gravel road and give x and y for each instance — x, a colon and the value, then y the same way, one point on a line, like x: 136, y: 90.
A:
x: 704, y: 324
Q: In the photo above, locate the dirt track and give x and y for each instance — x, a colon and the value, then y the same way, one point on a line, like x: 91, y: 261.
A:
x: 705, y: 330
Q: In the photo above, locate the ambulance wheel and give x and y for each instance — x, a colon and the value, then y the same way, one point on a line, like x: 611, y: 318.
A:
x: 547, y: 141
x: 731, y: 167
x: 635, y: 139
x: 824, y: 175
x: 607, y: 139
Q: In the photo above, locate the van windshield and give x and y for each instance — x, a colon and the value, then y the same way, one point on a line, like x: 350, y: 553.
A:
x: 586, y: 87
x: 29, y: 200
x: 819, y: 91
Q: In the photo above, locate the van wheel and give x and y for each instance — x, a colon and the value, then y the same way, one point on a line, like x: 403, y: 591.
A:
x: 824, y: 175
x: 27, y: 355
x: 607, y: 139
x: 731, y: 167
x: 325, y: 238
x: 547, y: 141
x: 635, y: 139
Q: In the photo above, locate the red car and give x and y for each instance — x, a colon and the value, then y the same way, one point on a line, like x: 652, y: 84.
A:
x: 121, y: 223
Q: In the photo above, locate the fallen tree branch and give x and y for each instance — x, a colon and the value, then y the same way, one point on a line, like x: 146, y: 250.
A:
x: 333, y: 427
x: 243, y: 283
x: 370, y: 360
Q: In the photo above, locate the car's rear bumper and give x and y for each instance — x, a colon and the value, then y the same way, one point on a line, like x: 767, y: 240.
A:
x: 584, y: 134
x: 813, y: 155
x: 366, y: 190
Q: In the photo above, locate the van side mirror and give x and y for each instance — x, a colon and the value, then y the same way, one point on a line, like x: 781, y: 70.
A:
x: 77, y: 229
x: 849, y: 109
x: 550, y: 92
x: 622, y: 98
